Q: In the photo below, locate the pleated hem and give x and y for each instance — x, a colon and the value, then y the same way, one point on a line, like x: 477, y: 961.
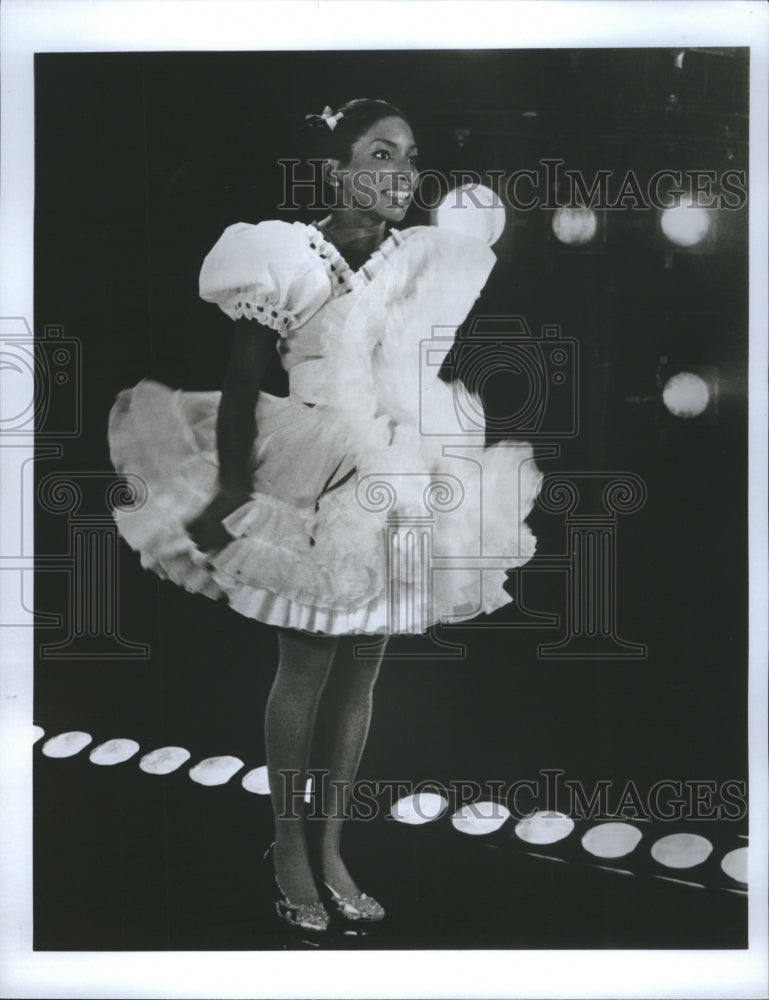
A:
x: 184, y: 565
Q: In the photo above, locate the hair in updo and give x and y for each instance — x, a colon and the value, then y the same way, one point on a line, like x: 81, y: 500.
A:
x: 319, y: 141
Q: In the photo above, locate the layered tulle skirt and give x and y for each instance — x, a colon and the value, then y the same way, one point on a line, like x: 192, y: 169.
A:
x: 371, y: 527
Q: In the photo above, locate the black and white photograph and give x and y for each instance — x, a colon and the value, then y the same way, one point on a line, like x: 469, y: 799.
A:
x: 384, y: 499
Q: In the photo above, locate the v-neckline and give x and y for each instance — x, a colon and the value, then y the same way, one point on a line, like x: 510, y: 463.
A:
x: 337, y: 264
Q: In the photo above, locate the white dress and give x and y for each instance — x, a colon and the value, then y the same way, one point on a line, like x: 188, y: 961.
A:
x: 375, y: 506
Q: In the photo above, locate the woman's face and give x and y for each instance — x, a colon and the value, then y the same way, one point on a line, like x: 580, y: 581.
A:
x: 381, y: 175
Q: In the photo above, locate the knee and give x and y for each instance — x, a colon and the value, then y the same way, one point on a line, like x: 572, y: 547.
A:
x: 360, y: 674
x: 298, y: 684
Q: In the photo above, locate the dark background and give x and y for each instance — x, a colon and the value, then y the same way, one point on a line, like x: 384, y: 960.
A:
x: 141, y: 161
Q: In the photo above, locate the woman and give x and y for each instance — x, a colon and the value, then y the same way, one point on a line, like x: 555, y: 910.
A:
x: 297, y: 511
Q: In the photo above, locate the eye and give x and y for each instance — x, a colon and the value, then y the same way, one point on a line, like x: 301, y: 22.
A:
x: 414, y: 159
x: 382, y: 154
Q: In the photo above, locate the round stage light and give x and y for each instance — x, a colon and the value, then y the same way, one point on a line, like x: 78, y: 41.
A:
x: 257, y: 781
x: 474, y: 210
x: 686, y: 395
x: 479, y: 818
x: 686, y: 224
x: 735, y: 864
x: 164, y: 760
x: 421, y: 807
x: 66, y: 744
x: 544, y: 828
x: 681, y: 850
x: 611, y: 840
x: 215, y: 770
x: 575, y: 226
x: 113, y: 752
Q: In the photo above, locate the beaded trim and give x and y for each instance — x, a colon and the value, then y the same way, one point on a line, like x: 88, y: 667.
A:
x: 337, y: 268
x: 249, y: 303
x: 343, y: 278
x: 370, y: 267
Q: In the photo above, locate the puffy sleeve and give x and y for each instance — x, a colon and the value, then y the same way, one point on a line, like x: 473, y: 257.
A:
x: 267, y: 272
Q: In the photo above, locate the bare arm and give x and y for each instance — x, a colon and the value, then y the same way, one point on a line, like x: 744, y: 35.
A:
x: 252, y: 349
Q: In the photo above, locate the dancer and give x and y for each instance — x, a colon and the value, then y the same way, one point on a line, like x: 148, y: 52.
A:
x: 302, y: 511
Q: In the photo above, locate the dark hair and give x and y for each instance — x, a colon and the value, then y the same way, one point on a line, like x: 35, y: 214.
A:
x: 318, y: 140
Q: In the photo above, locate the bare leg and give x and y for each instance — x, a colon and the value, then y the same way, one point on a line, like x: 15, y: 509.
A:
x: 303, y: 668
x: 340, y: 736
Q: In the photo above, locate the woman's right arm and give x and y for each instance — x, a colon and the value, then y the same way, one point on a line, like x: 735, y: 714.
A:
x: 252, y: 350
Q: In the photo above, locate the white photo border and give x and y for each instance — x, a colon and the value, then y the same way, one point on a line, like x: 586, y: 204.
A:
x: 31, y: 26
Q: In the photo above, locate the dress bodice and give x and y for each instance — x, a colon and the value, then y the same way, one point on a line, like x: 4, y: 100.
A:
x: 303, y: 348
x: 350, y: 339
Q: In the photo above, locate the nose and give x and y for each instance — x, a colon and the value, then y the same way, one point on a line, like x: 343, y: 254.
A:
x: 405, y: 173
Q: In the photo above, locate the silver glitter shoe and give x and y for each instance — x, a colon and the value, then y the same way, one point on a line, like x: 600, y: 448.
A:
x: 306, y: 916
x: 302, y: 916
x: 361, y: 908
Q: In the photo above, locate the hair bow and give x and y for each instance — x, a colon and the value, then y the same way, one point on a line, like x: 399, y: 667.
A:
x: 330, y: 118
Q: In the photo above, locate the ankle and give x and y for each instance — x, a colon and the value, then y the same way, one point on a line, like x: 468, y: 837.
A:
x: 294, y: 873
x: 333, y: 872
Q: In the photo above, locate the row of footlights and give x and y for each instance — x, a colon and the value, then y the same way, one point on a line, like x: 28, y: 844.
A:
x: 607, y: 841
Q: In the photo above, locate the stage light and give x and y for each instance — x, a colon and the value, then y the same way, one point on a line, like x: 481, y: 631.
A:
x: 474, y: 210
x: 480, y: 818
x: 421, y: 807
x: 66, y: 744
x: 164, y: 760
x: 686, y: 224
x: 611, y: 840
x: 113, y: 752
x: 257, y: 781
x: 735, y: 864
x: 544, y: 828
x: 215, y: 770
x: 686, y: 395
x: 681, y: 850
x: 575, y: 226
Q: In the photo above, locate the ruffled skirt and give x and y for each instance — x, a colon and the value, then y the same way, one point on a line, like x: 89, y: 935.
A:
x: 335, y: 538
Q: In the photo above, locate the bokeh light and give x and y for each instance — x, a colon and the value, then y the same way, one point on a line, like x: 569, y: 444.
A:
x: 575, y: 226
x: 686, y: 395
x: 686, y: 224
x: 474, y: 210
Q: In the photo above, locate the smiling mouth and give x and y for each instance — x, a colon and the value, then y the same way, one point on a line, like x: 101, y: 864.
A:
x: 399, y: 198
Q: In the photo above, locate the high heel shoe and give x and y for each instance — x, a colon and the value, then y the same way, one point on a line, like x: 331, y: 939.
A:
x: 362, y: 908
x: 302, y: 916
